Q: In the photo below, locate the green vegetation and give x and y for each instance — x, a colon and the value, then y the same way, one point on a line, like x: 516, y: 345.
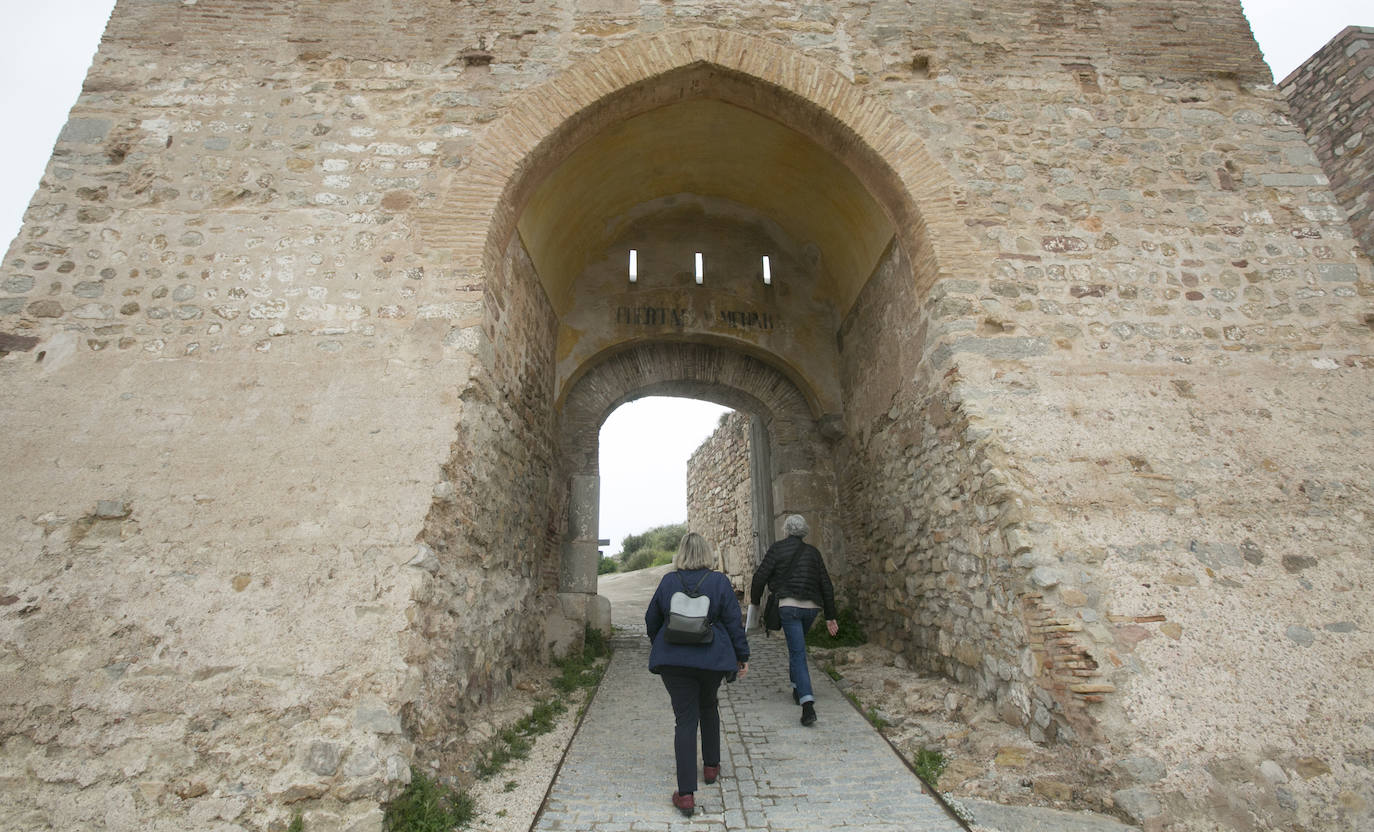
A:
x: 297, y: 823
x: 516, y: 741
x: 508, y: 745
x: 832, y: 672
x: 655, y: 547
x: 583, y: 669
x: 851, y: 631
x: 875, y: 718
x: 606, y: 566
x: 929, y: 765
x: 427, y: 806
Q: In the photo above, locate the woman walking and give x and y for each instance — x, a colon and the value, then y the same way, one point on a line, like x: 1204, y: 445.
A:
x: 794, y: 573
x: 692, y: 672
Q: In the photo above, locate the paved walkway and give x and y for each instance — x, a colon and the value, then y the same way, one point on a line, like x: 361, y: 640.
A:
x: 776, y: 775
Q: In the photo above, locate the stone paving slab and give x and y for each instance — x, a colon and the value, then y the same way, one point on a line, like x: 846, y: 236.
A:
x: 776, y: 775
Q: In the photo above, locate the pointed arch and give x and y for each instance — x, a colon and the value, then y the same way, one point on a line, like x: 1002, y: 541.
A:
x: 478, y: 216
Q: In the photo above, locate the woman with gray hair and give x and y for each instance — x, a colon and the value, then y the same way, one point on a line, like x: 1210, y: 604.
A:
x: 795, y: 575
x: 691, y: 663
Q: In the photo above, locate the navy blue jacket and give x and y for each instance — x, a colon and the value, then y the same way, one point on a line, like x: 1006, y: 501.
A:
x: 725, y: 651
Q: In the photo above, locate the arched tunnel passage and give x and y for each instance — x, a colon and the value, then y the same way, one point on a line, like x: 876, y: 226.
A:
x: 792, y: 462
x: 886, y: 449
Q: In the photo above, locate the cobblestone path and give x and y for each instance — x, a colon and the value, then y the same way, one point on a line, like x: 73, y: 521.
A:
x: 776, y: 775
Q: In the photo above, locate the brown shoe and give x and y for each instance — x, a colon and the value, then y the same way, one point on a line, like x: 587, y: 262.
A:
x: 710, y: 773
x: 685, y: 803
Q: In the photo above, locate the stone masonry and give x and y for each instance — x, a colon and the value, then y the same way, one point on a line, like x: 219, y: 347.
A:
x: 719, y: 502
x: 319, y: 306
x: 1332, y: 96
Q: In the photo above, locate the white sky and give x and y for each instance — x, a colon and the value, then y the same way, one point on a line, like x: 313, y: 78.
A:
x: 46, y: 47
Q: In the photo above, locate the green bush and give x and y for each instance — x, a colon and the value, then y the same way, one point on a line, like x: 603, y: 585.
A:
x: 426, y: 806
x: 607, y: 566
x: 642, y: 559
x: 654, y: 547
x: 851, y: 631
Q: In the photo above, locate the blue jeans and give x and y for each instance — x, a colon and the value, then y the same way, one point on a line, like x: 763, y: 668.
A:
x: 795, y: 622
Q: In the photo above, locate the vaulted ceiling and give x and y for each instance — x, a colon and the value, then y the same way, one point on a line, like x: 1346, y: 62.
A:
x: 715, y: 150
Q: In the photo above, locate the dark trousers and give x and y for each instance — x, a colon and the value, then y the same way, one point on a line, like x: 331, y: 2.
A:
x: 693, y: 693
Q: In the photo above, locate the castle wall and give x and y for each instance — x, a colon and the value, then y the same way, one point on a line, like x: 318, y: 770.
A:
x: 719, y: 498
x: 1111, y: 470
x: 1332, y: 96
x: 1065, y: 503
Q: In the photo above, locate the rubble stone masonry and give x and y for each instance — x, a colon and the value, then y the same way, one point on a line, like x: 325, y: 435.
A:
x: 719, y: 501
x: 282, y: 395
x: 1332, y: 96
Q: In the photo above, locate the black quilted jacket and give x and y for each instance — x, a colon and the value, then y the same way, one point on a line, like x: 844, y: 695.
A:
x: 804, y: 578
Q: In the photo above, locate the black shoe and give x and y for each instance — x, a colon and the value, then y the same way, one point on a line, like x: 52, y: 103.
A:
x: 808, y: 714
x: 796, y: 696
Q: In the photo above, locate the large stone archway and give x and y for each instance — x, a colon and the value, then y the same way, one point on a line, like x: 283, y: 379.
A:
x: 901, y: 203
x: 479, y: 215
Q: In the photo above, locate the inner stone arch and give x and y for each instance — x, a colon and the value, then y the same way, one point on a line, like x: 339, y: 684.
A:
x: 792, y: 467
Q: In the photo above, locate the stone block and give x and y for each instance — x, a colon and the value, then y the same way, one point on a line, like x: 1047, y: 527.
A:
x: 84, y: 130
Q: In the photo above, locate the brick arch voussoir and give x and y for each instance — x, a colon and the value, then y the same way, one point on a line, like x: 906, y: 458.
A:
x: 478, y: 216
x: 684, y: 369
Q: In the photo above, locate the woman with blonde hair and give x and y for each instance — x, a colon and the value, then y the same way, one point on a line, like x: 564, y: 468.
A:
x: 692, y: 656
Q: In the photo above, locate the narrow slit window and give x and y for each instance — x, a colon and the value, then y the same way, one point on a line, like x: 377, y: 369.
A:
x: 634, y: 265
x: 700, y: 272
x: 767, y: 272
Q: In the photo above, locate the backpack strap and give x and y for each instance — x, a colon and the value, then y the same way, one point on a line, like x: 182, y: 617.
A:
x: 696, y: 590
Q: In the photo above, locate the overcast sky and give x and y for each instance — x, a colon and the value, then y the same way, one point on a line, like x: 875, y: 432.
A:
x: 46, y: 47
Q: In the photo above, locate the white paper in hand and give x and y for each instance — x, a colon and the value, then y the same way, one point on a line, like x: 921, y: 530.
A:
x: 751, y: 619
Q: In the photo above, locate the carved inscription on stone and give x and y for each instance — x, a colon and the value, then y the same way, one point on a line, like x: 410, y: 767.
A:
x: 691, y: 318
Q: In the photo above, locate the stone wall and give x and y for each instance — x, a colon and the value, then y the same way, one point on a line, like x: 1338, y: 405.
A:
x: 491, y: 569
x: 284, y: 450
x: 1041, y: 506
x: 1332, y: 97
x: 719, y: 499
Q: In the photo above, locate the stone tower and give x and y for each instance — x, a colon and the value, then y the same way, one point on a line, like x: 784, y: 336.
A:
x: 319, y: 307
x: 1332, y: 98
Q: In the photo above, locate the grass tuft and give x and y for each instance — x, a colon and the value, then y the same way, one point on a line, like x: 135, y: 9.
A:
x: 427, y: 806
x: 929, y: 765
x: 582, y: 670
x: 875, y: 718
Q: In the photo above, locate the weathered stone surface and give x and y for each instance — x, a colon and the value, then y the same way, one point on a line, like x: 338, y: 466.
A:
x: 293, y: 267
x: 1329, y: 95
